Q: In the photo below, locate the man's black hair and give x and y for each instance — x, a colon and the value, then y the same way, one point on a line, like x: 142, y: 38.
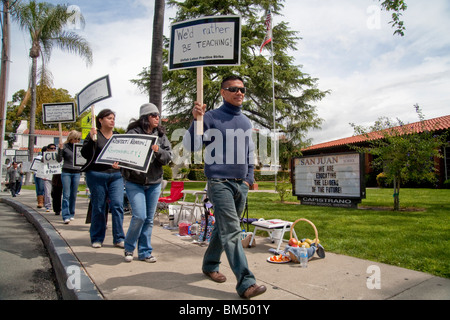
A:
x: 230, y: 78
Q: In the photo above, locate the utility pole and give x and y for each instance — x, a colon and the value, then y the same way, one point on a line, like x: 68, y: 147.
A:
x: 4, y: 78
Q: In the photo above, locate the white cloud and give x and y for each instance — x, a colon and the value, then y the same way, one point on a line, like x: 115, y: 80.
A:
x: 371, y: 72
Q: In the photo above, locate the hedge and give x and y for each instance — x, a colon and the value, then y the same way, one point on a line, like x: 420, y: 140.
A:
x: 199, y: 175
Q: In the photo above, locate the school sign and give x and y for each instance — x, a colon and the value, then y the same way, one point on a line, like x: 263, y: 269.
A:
x: 333, y: 180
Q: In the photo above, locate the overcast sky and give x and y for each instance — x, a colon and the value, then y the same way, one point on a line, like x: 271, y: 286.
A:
x: 347, y: 44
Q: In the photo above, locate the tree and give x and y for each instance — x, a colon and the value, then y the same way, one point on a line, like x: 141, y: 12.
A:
x: 44, y: 94
x: 45, y: 24
x: 403, y: 152
x: 156, y: 80
x: 295, y: 91
x: 396, y: 6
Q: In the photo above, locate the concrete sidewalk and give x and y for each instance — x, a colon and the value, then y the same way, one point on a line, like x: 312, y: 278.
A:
x: 88, y: 273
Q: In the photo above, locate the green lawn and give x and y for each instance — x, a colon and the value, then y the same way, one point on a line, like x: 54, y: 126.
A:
x: 417, y: 237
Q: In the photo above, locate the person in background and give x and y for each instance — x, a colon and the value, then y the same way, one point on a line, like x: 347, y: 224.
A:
x: 229, y: 174
x: 104, y: 182
x: 48, y: 182
x: 39, y: 182
x: 57, y: 194
x: 13, y: 176
x: 143, y: 188
x: 70, y: 176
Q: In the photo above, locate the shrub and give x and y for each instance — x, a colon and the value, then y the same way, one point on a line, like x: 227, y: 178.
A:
x: 381, y: 180
x: 167, y: 173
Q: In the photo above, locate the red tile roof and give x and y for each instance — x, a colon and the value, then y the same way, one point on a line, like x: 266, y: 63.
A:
x: 54, y: 133
x: 436, y: 124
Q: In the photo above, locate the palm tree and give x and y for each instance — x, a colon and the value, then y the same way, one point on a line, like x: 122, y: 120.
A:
x: 156, y: 80
x: 46, y: 24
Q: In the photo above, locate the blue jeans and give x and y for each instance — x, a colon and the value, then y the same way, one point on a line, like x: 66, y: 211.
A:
x: 228, y: 198
x: 143, y: 200
x: 106, y: 188
x: 39, y: 184
x: 70, y: 183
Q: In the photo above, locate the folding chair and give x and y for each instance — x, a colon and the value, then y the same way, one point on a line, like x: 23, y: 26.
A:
x: 176, y: 193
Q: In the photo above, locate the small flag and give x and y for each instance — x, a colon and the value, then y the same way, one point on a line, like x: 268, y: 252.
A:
x: 268, y: 25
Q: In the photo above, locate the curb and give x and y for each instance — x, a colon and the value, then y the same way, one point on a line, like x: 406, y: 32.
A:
x: 68, y: 269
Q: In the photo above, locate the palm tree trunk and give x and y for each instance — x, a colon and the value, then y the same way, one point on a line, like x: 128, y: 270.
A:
x: 31, y: 137
x: 157, y: 59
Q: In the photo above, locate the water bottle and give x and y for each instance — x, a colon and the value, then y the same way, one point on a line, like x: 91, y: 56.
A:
x: 195, y: 228
x: 303, y: 257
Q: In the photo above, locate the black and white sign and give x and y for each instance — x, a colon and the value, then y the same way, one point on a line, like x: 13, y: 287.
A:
x: 204, y: 42
x: 329, y: 179
x: 96, y: 91
x: 78, y: 160
x: 132, y: 151
x: 58, y: 112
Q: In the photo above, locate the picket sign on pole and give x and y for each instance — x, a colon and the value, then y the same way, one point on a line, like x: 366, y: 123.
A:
x: 94, y: 138
x: 60, y: 132
x: 199, y: 129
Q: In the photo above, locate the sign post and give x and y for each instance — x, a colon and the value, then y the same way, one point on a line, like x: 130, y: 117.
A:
x: 207, y: 41
x: 199, y: 129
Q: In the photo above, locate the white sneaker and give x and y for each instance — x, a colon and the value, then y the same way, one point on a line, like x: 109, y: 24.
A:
x: 67, y: 221
x: 128, y: 256
x: 71, y: 219
x: 96, y: 245
x: 150, y: 259
x: 119, y: 245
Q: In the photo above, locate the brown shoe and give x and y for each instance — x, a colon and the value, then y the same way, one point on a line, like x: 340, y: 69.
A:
x: 253, y: 291
x: 216, y: 276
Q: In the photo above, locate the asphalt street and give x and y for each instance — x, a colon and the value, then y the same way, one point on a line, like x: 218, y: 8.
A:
x: 26, y: 270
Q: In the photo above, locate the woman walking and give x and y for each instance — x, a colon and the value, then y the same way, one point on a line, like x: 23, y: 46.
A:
x: 70, y: 176
x: 143, y: 189
x: 104, y: 181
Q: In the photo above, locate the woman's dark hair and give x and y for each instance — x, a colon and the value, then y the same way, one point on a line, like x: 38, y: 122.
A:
x: 145, y: 125
x: 102, y: 114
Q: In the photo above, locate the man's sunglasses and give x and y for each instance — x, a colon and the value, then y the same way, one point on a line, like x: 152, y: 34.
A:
x: 154, y: 115
x: 236, y: 89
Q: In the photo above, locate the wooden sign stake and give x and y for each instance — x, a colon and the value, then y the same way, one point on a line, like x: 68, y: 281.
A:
x: 93, y: 121
x: 60, y: 133
x: 199, y: 129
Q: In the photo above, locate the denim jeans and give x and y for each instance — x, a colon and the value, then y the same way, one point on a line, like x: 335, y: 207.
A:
x: 70, y: 183
x: 228, y: 198
x: 39, y: 184
x: 106, y: 188
x: 143, y: 200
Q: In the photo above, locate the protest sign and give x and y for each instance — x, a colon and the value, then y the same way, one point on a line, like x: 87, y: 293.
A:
x: 78, y: 160
x: 46, y: 168
x: 58, y: 112
x: 205, y: 41
x: 132, y: 151
x: 97, y: 90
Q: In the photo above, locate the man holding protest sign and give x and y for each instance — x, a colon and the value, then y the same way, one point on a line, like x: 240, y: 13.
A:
x: 229, y: 169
